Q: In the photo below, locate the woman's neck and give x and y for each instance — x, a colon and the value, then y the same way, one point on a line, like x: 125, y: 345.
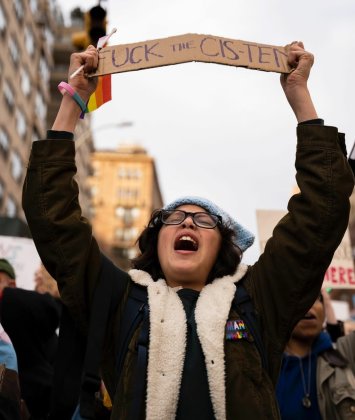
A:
x: 298, y: 348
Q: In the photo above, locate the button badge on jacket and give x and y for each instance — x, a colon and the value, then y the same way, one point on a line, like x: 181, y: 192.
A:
x: 237, y: 330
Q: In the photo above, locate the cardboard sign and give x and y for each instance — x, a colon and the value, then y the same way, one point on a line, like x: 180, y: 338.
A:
x: 23, y: 256
x: 191, y: 47
x: 340, y: 273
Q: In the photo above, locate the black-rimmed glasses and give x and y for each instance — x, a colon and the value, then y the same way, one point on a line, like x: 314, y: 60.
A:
x: 200, y: 218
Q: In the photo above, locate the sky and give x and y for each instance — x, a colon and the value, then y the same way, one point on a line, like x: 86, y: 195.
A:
x: 222, y: 132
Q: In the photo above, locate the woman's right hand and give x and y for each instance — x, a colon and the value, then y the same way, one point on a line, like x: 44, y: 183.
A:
x: 69, y: 111
x: 81, y: 83
x: 294, y: 84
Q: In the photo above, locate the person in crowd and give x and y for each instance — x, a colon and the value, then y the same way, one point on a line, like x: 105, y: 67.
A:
x: 199, y: 364
x: 7, y: 274
x: 317, y: 379
x: 31, y: 320
x: 12, y: 406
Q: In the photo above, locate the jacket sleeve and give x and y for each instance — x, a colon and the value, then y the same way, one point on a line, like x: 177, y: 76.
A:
x: 288, y: 276
x: 346, y: 346
x: 63, y: 237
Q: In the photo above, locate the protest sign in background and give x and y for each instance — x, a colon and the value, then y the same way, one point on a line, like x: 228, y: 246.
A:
x: 340, y: 274
x: 23, y: 256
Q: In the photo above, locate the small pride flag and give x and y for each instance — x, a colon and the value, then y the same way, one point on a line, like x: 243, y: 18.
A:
x: 102, y: 93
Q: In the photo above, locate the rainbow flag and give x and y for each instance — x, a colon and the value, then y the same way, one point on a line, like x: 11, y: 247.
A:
x: 102, y: 93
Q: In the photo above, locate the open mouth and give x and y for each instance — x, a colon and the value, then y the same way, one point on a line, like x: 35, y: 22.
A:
x: 309, y: 316
x: 185, y: 243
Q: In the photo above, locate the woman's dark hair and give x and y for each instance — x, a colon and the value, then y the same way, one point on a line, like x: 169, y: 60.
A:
x: 228, y: 258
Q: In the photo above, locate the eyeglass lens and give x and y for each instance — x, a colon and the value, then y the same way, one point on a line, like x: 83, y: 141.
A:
x: 201, y: 219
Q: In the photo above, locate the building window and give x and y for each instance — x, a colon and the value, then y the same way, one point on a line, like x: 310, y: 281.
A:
x: 14, y: 49
x: 19, y: 10
x: 131, y: 253
x: 34, y: 6
x: 128, y: 215
x: 121, y: 172
x: 29, y: 41
x: 131, y: 234
x: 2, y: 20
x: 25, y: 82
x: 41, y: 107
x: 49, y: 37
x: 4, y: 142
x: 44, y: 70
x: 16, y: 166
x: 126, y: 235
x: 127, y: 194
x: 135, y: 212
x: 129, y: 173
x: 11, y: 208
x: 137, y: 173
x: 119, y: 211
x: 21, y: 125
x: 94, y: 190
x: 9, y: 96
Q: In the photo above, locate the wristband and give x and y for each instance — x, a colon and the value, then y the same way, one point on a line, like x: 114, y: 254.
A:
x: 66, y: 88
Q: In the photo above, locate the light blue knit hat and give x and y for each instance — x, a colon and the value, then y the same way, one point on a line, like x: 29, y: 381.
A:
x: 243, y: 238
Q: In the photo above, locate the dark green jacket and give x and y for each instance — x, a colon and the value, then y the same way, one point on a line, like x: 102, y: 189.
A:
x: 283, y: 283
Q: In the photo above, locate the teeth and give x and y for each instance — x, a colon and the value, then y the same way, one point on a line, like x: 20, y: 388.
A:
x: 187, y: 238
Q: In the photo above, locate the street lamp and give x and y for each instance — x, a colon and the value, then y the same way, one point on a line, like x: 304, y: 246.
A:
x: 87, y: 133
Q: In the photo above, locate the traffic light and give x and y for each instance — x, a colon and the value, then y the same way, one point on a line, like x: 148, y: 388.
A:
x: 95, y: 24
x: 95, y: 28
x: 80, y: 40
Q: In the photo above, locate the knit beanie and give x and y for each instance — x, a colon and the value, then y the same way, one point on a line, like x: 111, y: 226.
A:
x: 7, y: 268
x: 243, y: 238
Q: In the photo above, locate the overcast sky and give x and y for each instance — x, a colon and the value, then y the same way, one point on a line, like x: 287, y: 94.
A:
x: 223, y: 132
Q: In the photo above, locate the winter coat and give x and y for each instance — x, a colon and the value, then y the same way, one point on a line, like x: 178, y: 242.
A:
x: 283, y: 283
x: 336, y: 381
x: 31, y: 320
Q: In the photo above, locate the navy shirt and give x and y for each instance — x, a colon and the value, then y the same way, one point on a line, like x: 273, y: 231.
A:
x: 290, y: 388
x: 194, y: 401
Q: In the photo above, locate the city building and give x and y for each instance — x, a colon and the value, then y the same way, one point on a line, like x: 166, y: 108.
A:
x: 125, y: 191
x: 26, y: 42
x: 35, y: 48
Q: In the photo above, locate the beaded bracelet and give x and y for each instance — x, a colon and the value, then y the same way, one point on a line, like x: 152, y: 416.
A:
x: 66, y: 88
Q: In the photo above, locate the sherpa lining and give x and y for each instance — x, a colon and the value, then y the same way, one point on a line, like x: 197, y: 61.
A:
x: 167, y: 341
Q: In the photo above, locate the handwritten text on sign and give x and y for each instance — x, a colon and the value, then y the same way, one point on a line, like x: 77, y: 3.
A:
x: 192, y: 47
x: 340, y: 273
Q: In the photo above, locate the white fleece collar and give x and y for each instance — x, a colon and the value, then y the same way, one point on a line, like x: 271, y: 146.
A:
x: 167, y: 341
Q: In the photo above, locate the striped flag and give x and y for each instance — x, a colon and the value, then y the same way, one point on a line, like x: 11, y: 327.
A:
x: 102, y: 93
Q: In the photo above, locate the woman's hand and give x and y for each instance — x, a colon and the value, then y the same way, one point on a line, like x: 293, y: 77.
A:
x: 69, y: 111
x: 294, y: 84
x: 81, y: 83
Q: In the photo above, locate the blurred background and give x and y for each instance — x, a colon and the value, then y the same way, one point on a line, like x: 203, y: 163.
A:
x: 222, y: 132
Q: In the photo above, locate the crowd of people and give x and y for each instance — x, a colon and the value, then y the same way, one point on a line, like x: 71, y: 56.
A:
x: 212, y: 338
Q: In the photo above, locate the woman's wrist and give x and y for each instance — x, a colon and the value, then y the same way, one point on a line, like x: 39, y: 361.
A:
x: 302, y: 105
x: 67, y: 116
